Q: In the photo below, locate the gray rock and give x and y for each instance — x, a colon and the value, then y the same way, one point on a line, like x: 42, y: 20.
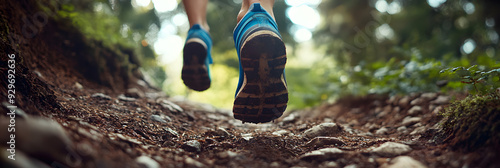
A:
x: 170, y: 132
x: 192, y: 146
x: 441, y: 100
x: 134, y: 93
x: 157, y: 118
x: 125, y: 98
x: 101, y: 96
x: 227, y: 154
x: 323, y: 141
x: 329, y: 164
x: 404, y: 101
x: 417, y: 101
x: 125, y: 138
x: 290, y: 118
x: 190, y: 162
x: 17, y: 111
x: 170, y: 106
x: 40, y: 138
x: 428, y: 96
x: 390, y: 149
x: 323, y: 154
x: 147, y: 162
x: 78, y: 86
x: 437, y: 110
x: 408, y: 121
x: 419, y: 130
x: 351, y: 166
x: 281, y: 133
x: 324, y: 129
x: 402, y: 129
x: 415, y: 110
x: 219, y: 132
x: 404, y: 161
x: 382, y: 131
x: 247, y: 136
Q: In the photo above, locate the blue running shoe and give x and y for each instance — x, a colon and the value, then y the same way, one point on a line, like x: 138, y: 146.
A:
x: 197, y: 57
x: 262, y: 94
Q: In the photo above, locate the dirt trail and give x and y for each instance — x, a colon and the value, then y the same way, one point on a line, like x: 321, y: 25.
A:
x: 111, y: 118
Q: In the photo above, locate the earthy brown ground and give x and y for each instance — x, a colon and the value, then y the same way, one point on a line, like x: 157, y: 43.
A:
x: 112, y: 117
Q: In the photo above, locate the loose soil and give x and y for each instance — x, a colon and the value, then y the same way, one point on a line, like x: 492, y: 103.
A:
x: 112, y: 116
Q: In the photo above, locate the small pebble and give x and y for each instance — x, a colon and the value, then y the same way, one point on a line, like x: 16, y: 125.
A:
x: 125, y: 98
x: 323, y: 141
x: 419, y: 130
x: 324, y: 129
x: 157, y: 118
x: 415, y: 110
x: 408, y: 121
x: 247, y: 136
x: 101, y: 96
x: 382, y: 131
x: 281, y: 132
x: 78, y: 86
x: 417, y: 101
x: 404, y: 101
x: 428, y: 96
x: 170, y: 106
x: 134, y: 93
x: 192, y: 146
x: 441, y: 100
x: 402, y: 129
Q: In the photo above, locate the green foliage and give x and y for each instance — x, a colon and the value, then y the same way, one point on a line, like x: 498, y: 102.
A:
x: 483, y: 82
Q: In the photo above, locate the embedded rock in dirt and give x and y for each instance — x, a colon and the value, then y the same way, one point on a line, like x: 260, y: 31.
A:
x: 101, y: 96
x: 324, y: 129
x: 323, y: 154
x: 403, y: 162
x: 157, y: 118
x: 40, y: 138
x: 147, y: 162
x: 192, y: 146
x: 390, y: 149
x: 323, y: 141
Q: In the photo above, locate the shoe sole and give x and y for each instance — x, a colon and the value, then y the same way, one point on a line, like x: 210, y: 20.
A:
x: 263, y: 96
x: 194, y: 70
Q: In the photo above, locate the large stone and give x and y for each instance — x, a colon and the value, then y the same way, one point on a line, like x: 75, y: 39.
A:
x: 147, y: 162
x: 390, y: 149
x: 324, y: 129
x: 323, y: 154
x: 40, y: 138
x: 404, y: 161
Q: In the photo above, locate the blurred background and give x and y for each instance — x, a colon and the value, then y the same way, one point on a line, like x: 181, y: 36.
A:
x: 335, y: 47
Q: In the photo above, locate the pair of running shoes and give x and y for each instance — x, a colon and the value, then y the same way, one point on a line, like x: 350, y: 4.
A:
x: 262, y: 94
